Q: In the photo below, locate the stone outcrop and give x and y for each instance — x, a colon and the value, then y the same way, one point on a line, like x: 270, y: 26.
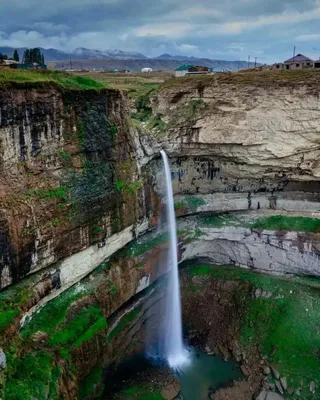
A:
x: 253, y: 131
x: 68, y: 180
x: 246, y: 142
x: 268, y: 251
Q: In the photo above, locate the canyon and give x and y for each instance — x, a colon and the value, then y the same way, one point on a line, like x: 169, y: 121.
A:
x: 81, y: 194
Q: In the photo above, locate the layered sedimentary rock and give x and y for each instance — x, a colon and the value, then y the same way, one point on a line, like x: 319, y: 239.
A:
x: 77, y: 185
x: 241, y: 135
x: 268, y: 251
x: 69, y: 180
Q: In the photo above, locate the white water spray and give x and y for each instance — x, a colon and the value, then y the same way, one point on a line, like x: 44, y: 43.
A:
x: 172, y: 346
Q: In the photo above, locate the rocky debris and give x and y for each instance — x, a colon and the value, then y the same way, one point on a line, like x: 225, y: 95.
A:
x: 312, y: 387
x: 171, y: 391
x: 273, y: 396
x: 40, y: 337
x: 199, y: 280
x: 290, y: 390
x: 208, y: 351
x: 297, y: 392
x: 275, y: 373
x: 244, y: 370
x: 267, y: 395
x: 3, y: 360
x: 272, y: 387
x: 284, y: 383
x: 266, y: 370
x: 262, y: 395
x: 279, y: 387
x: 262, y: 293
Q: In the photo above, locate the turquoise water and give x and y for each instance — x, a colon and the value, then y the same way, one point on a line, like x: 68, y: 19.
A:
x: 205, y: 374
x: 202, y: 376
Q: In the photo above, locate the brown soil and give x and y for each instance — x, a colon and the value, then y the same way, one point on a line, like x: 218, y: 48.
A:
x: 290, y: 78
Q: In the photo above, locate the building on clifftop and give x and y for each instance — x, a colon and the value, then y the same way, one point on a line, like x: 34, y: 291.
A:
x: 299, y: 61
x: 188, y: 69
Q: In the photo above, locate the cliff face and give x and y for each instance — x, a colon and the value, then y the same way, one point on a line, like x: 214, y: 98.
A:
x: 241, y: 134
x: 68, y: 177
x: 77, y: 184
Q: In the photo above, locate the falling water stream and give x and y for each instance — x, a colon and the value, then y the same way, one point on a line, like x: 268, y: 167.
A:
x: 199, y: 374
x: 172, y: 347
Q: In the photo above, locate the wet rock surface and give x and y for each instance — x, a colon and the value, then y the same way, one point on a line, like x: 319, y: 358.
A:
x: 3, y: 360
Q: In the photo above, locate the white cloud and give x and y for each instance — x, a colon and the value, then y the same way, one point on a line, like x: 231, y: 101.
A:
x: 237, y: 47
x: 237, y: 27
x: 193, y: 12
x: 168, y: 29
x: 33, y: 38
x: 307, y: 38
x: 187, y: 48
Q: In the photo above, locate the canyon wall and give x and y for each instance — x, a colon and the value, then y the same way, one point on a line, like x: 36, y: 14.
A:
x: 69, y: 182
x: 79, y: 185
x: 241, y: 135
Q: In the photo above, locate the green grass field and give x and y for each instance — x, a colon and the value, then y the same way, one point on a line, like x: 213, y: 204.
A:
x: 26, y: 79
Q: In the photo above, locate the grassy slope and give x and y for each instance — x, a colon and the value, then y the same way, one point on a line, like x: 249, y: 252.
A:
x: 289, y: 319
x: 25, y: 79
x: 275, y: 222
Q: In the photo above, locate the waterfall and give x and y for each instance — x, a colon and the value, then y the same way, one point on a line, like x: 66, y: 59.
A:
x: 172, y: 347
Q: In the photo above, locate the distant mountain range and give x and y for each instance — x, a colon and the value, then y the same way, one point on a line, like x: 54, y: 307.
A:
x: 80, y: 53
x: 82, y: 58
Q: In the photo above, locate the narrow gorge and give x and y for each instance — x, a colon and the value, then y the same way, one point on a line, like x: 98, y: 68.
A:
x: 82, y: 238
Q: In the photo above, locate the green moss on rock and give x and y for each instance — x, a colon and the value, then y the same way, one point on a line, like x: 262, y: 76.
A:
x: 90, y: 384
x: 31, y: 377
x: 282, y: 318
x: 52, y: 315
x: 125, y: 320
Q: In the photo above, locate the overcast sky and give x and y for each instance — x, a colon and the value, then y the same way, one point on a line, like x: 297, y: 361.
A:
x: 224, y: 29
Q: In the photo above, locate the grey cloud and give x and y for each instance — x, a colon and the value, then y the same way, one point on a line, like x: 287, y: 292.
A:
x: 228, y: 29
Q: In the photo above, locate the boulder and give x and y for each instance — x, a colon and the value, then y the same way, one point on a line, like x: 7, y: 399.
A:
x: 275, y: 372
x: 312, y: 387
x: 279, y: 387
x: 262, y: 395
x: 208, y: 350
x: 266, y: 370
x: 3, y: 360
x: 39, y: 337
x: 244, y: 370
x: 274, y: 396
x: 171, y: 391
x: 284, y: 383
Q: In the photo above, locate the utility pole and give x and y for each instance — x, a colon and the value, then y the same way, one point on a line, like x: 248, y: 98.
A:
x: 255, y: 62
x: 294, y: 52
x: 248, y: 61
